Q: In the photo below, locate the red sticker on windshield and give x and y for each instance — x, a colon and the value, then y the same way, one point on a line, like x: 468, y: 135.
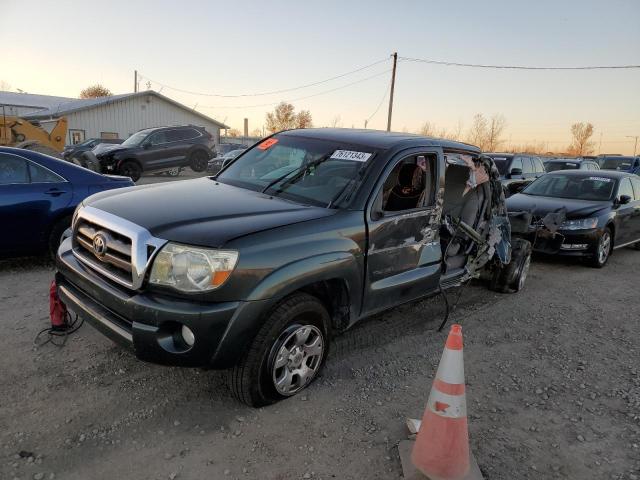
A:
x: 269, y: 142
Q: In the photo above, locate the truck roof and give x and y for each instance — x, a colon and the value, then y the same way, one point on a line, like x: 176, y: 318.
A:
x: 379, y: 138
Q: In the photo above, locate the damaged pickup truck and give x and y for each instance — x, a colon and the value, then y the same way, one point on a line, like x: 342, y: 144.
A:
x: 301, y: 236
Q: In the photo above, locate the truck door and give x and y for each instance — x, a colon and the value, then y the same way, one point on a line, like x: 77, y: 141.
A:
x: 403, y: 220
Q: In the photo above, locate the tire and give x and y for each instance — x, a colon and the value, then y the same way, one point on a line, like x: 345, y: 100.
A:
x: 174, y: 172
x: 511, y: 278
x: 56, y: 234
x: 603, y: 250
x: 78, y: 161
x: 258, y: 380
x: 198, y: 161
x: 130, y: 169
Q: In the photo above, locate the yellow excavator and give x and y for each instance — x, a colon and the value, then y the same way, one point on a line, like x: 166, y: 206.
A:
x: 20, y: 133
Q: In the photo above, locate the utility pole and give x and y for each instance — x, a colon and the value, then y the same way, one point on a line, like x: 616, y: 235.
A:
x: 135, y: 81
x: 393, y: 85
x: 635, y: 145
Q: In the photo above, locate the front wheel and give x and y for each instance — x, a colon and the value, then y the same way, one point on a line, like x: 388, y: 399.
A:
x: 286, y: 354
x: 199, y: 161
x: 130, y: 169
x: 603, y: 250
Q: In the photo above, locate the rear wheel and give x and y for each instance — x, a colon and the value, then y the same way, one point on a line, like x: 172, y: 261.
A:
x: 199, y: 161
x: 511, y: 278
x: 286, y: 354
x: 55, y: 237
x: 603, y: 250
x: 131, y: 169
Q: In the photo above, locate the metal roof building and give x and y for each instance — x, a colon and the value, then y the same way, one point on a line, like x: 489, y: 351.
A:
x: 117, y: 116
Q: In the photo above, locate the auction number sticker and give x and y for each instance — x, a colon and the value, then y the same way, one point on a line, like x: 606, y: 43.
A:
x: 600, y: 179
x: 349, y: 155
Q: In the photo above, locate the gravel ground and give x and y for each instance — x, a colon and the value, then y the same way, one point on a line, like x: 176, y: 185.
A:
x: 552, y: 375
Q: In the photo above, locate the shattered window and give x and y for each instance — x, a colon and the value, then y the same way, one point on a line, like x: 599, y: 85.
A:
x: 409, y: 185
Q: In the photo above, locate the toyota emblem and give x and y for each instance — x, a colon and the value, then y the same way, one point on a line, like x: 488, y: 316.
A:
x: 99, y: 245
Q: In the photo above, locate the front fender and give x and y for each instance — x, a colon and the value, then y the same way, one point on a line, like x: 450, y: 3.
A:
x: 298, y: 274
x: 277, y: 285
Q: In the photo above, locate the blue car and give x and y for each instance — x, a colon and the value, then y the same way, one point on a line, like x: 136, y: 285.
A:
x: 38, y: 195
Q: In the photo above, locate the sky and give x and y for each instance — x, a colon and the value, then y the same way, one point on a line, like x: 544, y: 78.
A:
x: 238, y: 48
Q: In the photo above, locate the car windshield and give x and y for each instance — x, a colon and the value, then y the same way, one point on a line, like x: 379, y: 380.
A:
x: 501, y: 163
x: 580, y: 187
x: 135, y: 139
x: 304, y: 170
x: 553, y: 166
x: 615, y: 163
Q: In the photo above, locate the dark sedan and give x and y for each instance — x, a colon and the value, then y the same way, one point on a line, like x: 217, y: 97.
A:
x: 579, y: 213
x: 38, y: 195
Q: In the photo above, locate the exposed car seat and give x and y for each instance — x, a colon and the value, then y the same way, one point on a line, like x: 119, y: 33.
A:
x: 408, y: 190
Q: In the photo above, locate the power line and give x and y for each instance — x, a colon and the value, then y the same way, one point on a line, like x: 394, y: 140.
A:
x: 515, y: 67
x: 222, y: 107
x: 386, y: 91
x: 274, y: 92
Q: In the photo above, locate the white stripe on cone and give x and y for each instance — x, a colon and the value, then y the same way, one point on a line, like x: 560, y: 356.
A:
x: 450, y: 406
x: 451, y: 368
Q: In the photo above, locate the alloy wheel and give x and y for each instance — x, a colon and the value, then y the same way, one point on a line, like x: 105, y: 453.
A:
x: 604, y: 247
x: 298, y: 359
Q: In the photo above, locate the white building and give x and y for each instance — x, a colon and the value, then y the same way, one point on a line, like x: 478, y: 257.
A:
x: 117, y: 116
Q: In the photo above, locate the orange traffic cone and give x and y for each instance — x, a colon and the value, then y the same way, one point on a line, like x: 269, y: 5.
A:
x: 441, y: 451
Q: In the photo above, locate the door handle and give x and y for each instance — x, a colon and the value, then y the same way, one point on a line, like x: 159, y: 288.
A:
x: 54, y: 192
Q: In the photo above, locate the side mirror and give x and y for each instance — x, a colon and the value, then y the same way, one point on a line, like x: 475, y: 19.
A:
x: 515, y: 172
x: 624, y: 199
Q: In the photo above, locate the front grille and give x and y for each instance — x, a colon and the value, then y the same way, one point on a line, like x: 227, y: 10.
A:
x: 114, y: 247
x: 116, y: 257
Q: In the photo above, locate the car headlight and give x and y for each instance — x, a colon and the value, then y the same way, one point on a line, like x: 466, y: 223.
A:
x: 192, y: 269
x: 579, y: 224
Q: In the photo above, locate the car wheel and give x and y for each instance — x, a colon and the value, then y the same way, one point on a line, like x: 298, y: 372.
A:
x: 199, y: 161
x: 174, y: 172
x: 55, y: 237
x: 78, y: 161
x: 512, y: 277
x: 131, y: 169
x: 286, y: 354
x: 603, y: 250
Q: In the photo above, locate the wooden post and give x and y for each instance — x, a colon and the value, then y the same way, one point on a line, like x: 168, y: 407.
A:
x: 393, y: 85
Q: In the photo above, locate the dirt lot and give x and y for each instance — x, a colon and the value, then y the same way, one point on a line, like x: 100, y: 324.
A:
x: 552, y: 374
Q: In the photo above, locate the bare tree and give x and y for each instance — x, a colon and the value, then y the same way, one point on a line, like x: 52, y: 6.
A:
x: 234, y: 132
x: 5, y: 86
x: 428, y: 129
x: 95, y: 91
x: 581, y: 145
x: 335, y: 122
x: 303, y: 119
x: 256, y: 132
x: 284, y: 117
x: 477, y: 134
x: 495, y: 129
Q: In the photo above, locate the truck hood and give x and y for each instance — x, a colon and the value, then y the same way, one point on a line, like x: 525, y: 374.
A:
x: 202, y: 211
x: 539, y: 205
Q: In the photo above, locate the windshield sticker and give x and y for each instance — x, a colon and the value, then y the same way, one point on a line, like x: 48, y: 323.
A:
x: 600, y: 179
x: 349, y: 155
x: 269, y: 142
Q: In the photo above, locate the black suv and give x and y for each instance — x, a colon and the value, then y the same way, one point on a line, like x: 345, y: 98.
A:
x: 306, y: 233
x: 517, y: 170
x: 160, y: 148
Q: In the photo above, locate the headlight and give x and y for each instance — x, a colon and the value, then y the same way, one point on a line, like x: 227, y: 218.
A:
x: 192, y: 269
x: 580, y: 224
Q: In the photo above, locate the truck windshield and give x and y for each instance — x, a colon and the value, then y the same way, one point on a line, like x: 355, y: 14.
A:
x: 588, y: 187
x: 304, y: 170
x: 615, y: 163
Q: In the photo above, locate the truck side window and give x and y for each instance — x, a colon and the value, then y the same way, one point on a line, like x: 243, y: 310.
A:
x: 409, y: 184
